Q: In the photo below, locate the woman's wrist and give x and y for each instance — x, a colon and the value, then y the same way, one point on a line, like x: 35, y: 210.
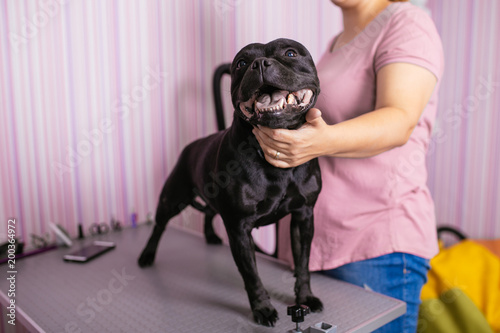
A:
x: 329, y: 142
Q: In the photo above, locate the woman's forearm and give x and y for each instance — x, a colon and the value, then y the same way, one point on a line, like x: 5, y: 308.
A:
x: 369, y: 134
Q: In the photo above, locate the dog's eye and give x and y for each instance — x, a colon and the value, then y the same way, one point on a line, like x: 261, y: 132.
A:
x: 291, y: 53
x: 241, y: 63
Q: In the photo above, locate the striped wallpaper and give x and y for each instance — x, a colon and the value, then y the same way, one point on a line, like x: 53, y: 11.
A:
x: 98, y: 97
x: 464, y: 160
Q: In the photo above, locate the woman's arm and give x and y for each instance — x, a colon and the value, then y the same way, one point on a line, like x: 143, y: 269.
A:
x: 403, y: 91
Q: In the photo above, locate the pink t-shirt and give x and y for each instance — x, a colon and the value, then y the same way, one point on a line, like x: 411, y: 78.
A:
x: 378, y: 205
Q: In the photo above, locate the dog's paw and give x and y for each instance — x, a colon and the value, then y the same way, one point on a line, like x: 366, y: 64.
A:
x: 146, y: 259
x: 314, y: 303
x: 265, y: 315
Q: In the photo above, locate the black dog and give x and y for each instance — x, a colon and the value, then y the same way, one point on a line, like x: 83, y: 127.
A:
x: 272, y: 85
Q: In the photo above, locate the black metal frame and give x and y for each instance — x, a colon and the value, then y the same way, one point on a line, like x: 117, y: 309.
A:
x: 219, y: 109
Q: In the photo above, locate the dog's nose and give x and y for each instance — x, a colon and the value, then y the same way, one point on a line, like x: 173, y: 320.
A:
x: 261, y: 63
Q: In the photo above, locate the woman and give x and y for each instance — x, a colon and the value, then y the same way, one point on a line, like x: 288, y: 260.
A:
x: 374, y: 219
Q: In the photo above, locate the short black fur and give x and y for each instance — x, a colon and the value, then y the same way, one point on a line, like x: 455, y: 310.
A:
x: 228, y: 172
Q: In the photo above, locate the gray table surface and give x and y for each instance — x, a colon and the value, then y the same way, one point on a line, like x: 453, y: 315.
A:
x: 193, y: 287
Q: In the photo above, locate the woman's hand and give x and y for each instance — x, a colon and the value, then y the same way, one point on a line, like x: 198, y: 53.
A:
x: 403, y: 91
x: 295, y: 147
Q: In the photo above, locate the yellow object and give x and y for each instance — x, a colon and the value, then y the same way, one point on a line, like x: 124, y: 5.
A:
x: 473, y: 269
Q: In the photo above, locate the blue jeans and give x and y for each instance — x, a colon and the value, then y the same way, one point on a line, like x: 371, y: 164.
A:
x: 398, y: 275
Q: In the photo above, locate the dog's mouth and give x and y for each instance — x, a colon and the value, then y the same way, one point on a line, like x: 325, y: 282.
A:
x: 268, y: 100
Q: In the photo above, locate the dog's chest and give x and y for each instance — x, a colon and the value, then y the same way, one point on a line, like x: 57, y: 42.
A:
x: 272, y: 194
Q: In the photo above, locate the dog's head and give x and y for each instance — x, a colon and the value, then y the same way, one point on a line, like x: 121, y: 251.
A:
x: 274, y: 84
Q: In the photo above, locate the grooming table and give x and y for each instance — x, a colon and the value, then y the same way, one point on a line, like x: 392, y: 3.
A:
x: 192, y: 287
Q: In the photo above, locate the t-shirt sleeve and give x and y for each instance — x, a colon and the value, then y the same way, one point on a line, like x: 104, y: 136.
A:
x: 411, y: 37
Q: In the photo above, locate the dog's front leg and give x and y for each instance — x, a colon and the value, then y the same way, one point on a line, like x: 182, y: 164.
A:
x: 302, y: 231
x: 242, y: 248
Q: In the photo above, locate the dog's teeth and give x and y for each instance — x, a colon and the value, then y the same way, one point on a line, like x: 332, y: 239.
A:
x: 263, y: 101
x: 282, y: 104
x: 291, y: 99
x: 300, y: 94
x: 307, y: 96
